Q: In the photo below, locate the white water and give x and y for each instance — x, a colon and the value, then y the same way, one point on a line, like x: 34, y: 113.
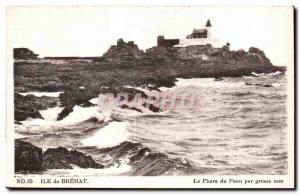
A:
x: 50, y: 114
x: 276, y: 84
x: 264, y: 74
x: 40, y: 94
x: 111, y: 135
x: 78, y: 115
x: 204, y: 83
x: 94, y: 101
x: 219, y: 136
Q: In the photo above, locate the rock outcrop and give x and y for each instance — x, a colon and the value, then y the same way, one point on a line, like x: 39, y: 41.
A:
x: 31, y: 159
x: 24, y: 53
x: 57, y: 158
x: 65, y: 112
x: 123, y: 53
x: 146, y: 162
x: 29, y: 106
x: 208, y: 61
x: 28, y: 158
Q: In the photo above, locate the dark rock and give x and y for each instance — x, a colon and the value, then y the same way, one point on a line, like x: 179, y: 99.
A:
x: 21, y: 115
x: 259, y: 84
x: 131, y: 93
x: 140, y: 154
x: 65, y: 112
x: 74, y: 96
x: 218, y: 79
x: 28, y: 158
x: 267, y: 85
x: 29, y: 106
x: 120, y: 42
x: 24, y: 53
x: 131, y: 43
x: 93, y: 120
x: 152, y: 107
x: 124, y: 106
x: 122, y: 91
x: 123, y: 53
x: 87, y: 104
x: 207, y: 61
x: 17, y: 122
x: 146, y: 162
x: 57, y: 158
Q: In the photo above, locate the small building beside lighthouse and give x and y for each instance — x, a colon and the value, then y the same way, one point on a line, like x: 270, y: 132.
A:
x: 199, y: 36
x: 200, y: 33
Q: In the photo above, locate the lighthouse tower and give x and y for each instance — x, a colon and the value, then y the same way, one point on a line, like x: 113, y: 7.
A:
x: 208, y: 28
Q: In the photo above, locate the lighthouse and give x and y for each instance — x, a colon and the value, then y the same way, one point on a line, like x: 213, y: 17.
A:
x: 200, y: 36
x: 208, y: 28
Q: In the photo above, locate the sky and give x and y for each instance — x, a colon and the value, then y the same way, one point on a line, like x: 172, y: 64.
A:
x: 90, y: 31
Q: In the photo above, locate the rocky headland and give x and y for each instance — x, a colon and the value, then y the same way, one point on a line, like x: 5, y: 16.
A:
x: 82, y: 79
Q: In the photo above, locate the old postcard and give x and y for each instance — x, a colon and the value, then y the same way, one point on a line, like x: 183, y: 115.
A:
x: 150, y: 97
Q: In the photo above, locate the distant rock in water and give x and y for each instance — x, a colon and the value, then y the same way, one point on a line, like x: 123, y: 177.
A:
x: 218, y: 79
x: 266, y: 85
x: 24, y: 53
x: 152, y: 107
x: 93, y: 120
x: 31, y: 159
x: 124, y: 106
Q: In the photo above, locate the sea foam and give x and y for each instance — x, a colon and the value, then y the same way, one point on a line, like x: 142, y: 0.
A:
x: 40, y: 94
x: 78, y: 115
x: 111, y: 135
x: 202, y: 82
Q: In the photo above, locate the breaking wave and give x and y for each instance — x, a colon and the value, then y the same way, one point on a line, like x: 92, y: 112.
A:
x: 204, y: 83
x: 112, y: 134
x: 40, y: 94
x: 142, y: 160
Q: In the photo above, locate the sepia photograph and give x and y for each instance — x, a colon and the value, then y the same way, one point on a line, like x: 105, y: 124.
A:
x: 150, y: 97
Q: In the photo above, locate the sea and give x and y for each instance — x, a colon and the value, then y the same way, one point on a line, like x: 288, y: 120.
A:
x: 237, y: 126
